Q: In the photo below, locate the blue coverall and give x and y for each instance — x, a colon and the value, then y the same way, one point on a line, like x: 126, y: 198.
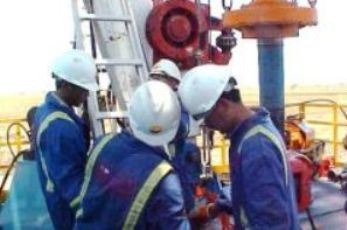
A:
x: 188, y: 171
x: 61, y: 152
x: 115, y: 176
x: 181, y: 161
x: 262, y: 183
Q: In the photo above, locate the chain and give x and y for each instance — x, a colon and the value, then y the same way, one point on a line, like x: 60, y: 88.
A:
x: 227, y: 7
x: 312, y: 3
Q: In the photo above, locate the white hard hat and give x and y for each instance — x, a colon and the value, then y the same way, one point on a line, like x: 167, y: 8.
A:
x: 166, y: 67
x: 202, y: 86
x: 76, y: 67
x: 154, y: 113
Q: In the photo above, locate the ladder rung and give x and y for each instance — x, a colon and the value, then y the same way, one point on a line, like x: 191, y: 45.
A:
x: 111, y: 115
x: 94, y: 17
x: 115, y: 62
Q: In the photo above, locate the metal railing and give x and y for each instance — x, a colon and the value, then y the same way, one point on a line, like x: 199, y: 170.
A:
x: 333, y: 109
x: 336, y: 110
x: 18, y: 139
x: 13, y: 137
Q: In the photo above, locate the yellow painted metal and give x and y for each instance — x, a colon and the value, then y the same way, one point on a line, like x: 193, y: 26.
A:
x: 19, y: 142
x: 335, y: 133
x: 319, y: 122
x: 223, y: 145
x: 17, y: 139
x: 270, y: 19
x: 223, y: 167
x: 11, y: 120
x: 333, y: 124
x: 302, y: 109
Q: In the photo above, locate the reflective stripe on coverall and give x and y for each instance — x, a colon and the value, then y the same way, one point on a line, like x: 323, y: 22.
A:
x: 61, y: 147
x: 262, y: 130
x: 130, y: 185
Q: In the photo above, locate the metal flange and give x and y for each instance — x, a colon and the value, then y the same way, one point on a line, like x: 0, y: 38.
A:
x: 267, y: 19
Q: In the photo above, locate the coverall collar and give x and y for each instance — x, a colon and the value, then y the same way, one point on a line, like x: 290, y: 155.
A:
x: 134, y: 141
x: 58, y: 99
x: 261, y: 115
x: 52, y: 99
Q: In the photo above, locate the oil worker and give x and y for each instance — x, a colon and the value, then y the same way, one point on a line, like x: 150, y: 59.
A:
x: 262, y: 184
x: 61, y: 142
x: 184, y: 152
x: 167, y: 72
x: 130, y: 182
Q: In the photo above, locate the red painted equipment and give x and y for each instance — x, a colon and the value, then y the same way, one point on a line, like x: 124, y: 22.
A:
x: 302, y: 171
x: 179, y: 30
x: 301, y: 138
x: 202, y: 214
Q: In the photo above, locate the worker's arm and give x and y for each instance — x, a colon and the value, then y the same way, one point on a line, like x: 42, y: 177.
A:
x: 165, y: 209
x: 65, y: 156
x: 265, y: 192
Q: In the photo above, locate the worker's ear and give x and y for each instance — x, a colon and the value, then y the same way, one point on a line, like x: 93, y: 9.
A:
x: 223, y: 103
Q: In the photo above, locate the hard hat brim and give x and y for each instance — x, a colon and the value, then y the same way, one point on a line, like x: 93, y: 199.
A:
x: 155, y: 139
x: 154, y: 72
x: 91, y: 87
x: 87, y: 86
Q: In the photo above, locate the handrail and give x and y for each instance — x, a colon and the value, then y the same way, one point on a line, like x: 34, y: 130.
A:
x: 334, y: 123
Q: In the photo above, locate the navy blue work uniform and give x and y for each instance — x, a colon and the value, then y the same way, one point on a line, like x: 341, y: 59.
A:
x: 130, y: 185
x: 61, y: 152
x: 263, y: 192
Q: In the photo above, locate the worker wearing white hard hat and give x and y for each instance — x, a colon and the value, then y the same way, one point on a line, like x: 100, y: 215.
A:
x: 263, y: 190
x: 167, y: 71
x: 130, y: 182
x: 62, y: 137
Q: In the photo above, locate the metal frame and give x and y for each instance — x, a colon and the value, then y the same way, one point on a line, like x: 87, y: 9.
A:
x: 128, y: 62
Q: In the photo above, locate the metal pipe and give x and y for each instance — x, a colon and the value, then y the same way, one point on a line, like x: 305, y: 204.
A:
x: 271, y: 79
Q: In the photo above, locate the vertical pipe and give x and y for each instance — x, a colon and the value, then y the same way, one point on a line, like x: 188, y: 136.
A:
x: 335, y: 134
x: 18, y: 138
x: 271, y: 79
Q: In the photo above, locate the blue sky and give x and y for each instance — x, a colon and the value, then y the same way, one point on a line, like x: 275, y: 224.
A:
x: 34, y: 32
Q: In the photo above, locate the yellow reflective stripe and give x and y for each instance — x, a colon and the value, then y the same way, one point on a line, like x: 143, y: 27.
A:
x: 142, y: 196
x: 274, y: 139
x: 79, y: 213
x: 243, y: 217
x: 75, y: 202
x: 44, y: 125
x: 90, y: 166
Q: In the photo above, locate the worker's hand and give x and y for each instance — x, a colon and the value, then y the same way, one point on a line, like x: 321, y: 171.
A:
x: 224, y: 205
x: 204, y: 212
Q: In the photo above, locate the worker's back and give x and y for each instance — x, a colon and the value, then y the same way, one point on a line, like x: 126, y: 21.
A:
x: 117, y: 175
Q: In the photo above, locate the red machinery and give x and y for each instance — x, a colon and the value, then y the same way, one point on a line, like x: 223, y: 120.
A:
x: 302, y: 171
x: 301, y: 138
x: 179, y: 30
x: 305, y: 157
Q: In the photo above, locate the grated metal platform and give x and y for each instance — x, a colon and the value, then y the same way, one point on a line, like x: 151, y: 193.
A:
x: 327, y: 207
